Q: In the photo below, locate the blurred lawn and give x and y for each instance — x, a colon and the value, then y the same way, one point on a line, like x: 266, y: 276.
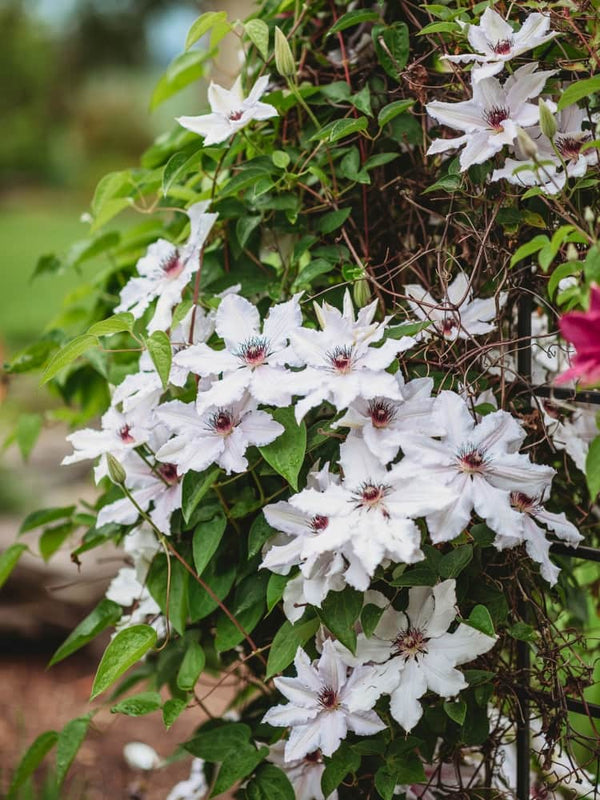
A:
x: 31, y: 226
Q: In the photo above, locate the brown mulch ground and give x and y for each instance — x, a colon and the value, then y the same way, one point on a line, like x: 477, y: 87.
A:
x: 33, y: 699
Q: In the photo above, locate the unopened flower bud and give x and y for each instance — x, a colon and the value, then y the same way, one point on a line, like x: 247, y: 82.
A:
x: 115, y: 470
x: 589, y: 215
x: 141, y: 756
x: 361, y: 292
x: 527, y: 145
x: 547, y: 120
x: 572, y: 254
x: 284, y: 59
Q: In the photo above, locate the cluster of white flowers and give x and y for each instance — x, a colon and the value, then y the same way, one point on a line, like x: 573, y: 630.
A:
x: 547, y: 149
x: 410, y: 461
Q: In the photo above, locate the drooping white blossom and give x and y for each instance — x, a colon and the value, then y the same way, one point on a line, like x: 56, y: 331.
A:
x: 457, y: 315
x: 165, y: 270
x: 418, y: 650
x: 252, y: 361
x: 492, y: 118
x: 230, y: 111
x: 480, y: 464
x: 219, y: 434
x: 495, y: 42
x: 571, y: 429
x: 558, y: 159
x: 193, y: 788
x: 343, y: 363
x: 304, y: 774
x: 536, y: 544
x: 383, y: 423
x: 325, y: 702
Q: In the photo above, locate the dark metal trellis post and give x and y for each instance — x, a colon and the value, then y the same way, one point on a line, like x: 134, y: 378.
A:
x: 524, y: 361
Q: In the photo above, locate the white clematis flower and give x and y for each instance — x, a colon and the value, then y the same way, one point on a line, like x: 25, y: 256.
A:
x: 230, y: 111
x: 127, y: 590
x: 572, y: 432
x: 492, y: 118
x: 384, y: 423
x: 342, y: 363
x: 419, y: 652
x: 536, y: 544
x: 119, y: 436
x: 457, y: 315
x: 304, y: 774
x: 218, y: 435
x: 480, y: 464
x: 166, y: 270
x: 557, y: 160
x: 495, y: 42
x: 195, y: 787
x: 325, y: 703
x: 368, y: 516
x: 252, y: 360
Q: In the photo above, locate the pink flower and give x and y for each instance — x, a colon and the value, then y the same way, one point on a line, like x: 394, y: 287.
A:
x: 582, y: 329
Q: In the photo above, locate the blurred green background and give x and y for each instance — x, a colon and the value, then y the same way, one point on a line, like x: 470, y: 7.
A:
x: 76, y: 77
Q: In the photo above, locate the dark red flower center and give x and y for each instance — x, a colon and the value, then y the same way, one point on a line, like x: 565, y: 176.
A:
x: 471, y: 460
x: 371, y: 495
x: 318, y: 523
x: 381, y: 412
x: 495, y: 116
x: 341, y: 359
x: 125, y: 434
x: 314, y: 758
x: 328, y: 698
x: 222, y: 422
x: 168, y: 472
x: 410, y: 643
x: 172, y: 265
x: 235, y: 116
x: 448, y: 325
x: 503, y: 47
x: 254, y: 351
x: 522, y: 502
x: 568, y: 146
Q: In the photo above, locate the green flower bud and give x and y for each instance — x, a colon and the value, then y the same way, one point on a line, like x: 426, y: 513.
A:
x: 361, y: 292
x: 115, y: 470
x: 527, y: 145
x: 547, y: 120
x: 284, y: 60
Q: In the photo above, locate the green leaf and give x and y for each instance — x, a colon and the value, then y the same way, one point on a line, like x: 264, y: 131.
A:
x: 159, y: 347
x: 362, y: 100
x: 353, y: 18
x: 43, y: 516
x: 191, y: 667
x: 333, y: 220
x: 481, y: 620
x: 172, y: 597
x: 70, y: 740
x: 439, y: 27
x: 128, y: 646
x: 207, y: 537
x: 89, y: 248
x: 27, y: 431
x: 31, y: 760
x: 343, y: 761
x: 111, y: 186
x: 67, y: 354
x: 258, y: 32
x: 340, y: 128
x: 9, y: 559
x: 392, y: 47
x: 138, y: 704
x: 270, y: 783
x: 245, y: 226
x: 339, y: 612
x: 195, y: 486
x: 280, y: 158
x: 392, y: 110
x: 523, y: 632
x: 453, y: 563
x: 171, y: 170
x: 106, y: 613
x: 529, y: 248
x: 204, y: 24
x: 52, y: 538
x: 172, y: 708
x: 275, y: 589
x: 369, y: 618
x: 592, y: 468
x: 456, y: 710
x: 238, y: 766
x: 48, y: 264
x: 403, y: 763
x: 248, y: 609
x: 216, y: 744
x: 578, y: 90
x: 119, y: 323
x: 385, y: 783
x: 260, y: 532
x: 183, y: 70
x: 286, y: 642
x: 286, y: 453
x: 219, y: 575
x: 109, y: 210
